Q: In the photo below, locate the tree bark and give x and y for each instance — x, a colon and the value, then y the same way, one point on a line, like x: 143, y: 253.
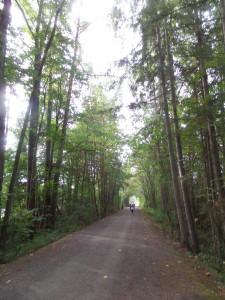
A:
x: 4, y: 229
x: 210, y: 120
x: 222, y: 9
x: 39, y: 62
x: 182, y: 172
x: 36, y: 90
x: 32, y: 146
x: 64, y: 129
x: 176, y: 188
x: 215, y: 217
x: 4, y: 23
x: 48, y: 158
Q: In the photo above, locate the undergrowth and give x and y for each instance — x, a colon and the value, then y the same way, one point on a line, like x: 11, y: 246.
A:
x: 215, y: 266
x: 166, y: 222
x: 205, y: 259
x: 20, y: 243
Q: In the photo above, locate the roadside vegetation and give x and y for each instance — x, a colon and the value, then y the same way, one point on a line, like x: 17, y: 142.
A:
x: 63, y: 169
x: 177, y: 77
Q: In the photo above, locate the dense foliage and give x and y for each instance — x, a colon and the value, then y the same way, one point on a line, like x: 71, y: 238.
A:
x: 178, y: 71
x: 66, y: 169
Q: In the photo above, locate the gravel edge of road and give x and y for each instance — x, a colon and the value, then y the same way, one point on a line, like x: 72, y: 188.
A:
x: 10, y: 266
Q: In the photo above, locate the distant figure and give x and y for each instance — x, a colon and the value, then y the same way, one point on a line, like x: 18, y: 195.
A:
x: 132, y: 207
x: 122, y: 206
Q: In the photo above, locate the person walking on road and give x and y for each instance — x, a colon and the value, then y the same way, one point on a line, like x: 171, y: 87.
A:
x: 132, y: 207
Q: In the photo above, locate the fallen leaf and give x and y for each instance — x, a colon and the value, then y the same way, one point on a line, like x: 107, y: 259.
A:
x: 8, y: 281
x: 145, y: 278
x: 105, y: 277
x: 167, y: 265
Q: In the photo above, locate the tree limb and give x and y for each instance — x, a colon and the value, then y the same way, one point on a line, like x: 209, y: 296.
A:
x: 25, y: 18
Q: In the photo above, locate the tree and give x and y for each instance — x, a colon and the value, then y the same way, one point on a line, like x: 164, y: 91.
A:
x: 180, y: 161
x: 4, y: 23
x: 33, y: 107
x: 167, y: 69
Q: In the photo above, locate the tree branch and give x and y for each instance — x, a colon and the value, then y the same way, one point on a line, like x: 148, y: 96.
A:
x: 25, y: 18
x: 176, y: 10
x: 51, y: 37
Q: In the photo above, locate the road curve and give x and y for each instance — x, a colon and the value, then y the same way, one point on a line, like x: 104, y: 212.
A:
x: 121, y: 257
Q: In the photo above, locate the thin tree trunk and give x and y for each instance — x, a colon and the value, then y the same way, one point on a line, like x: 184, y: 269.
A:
x: 32, y: 146
x: 48, y: 158
x: 76, y: 181
x: 39, y: 61
x: 64, y: 129
x: 181, y: 219
x: 215, y: 218
x: 222, y: 9
x: 83, y: 179
x: 4, y: 230
x: 211, y: 128
x: 4, y: 23
x: 93, y: 182
x: 182, y: 172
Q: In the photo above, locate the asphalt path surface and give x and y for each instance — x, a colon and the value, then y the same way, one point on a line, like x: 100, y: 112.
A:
x: 121, y: 257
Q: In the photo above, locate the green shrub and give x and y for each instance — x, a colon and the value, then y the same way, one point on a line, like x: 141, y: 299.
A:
x: 24, y: 238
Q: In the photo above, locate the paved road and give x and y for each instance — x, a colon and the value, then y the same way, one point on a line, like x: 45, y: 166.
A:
x: 121, y: 257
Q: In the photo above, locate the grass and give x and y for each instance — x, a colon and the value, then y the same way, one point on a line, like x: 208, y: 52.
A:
x: 20, y: 243
x: 168, y: 226
x: 214, y: 266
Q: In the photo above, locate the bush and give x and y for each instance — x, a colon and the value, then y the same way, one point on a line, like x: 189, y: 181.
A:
x: 24, y: 238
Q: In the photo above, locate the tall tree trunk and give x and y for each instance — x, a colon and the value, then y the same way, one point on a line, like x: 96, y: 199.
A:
x: 48, y: 157
x: 76, y: 180
x: 4, y: 23
x: 102, y: 185
x: 93, y: 181
x: 176, y: 188
x: 4, y: 230
x: 222, y: 9
x: 211, y: 127
x: 32, y: 146
x: 39, y: 62
x: 3, y: 234
x: 182, y: 173
x: 64, y: 129
x: 215, y: 218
